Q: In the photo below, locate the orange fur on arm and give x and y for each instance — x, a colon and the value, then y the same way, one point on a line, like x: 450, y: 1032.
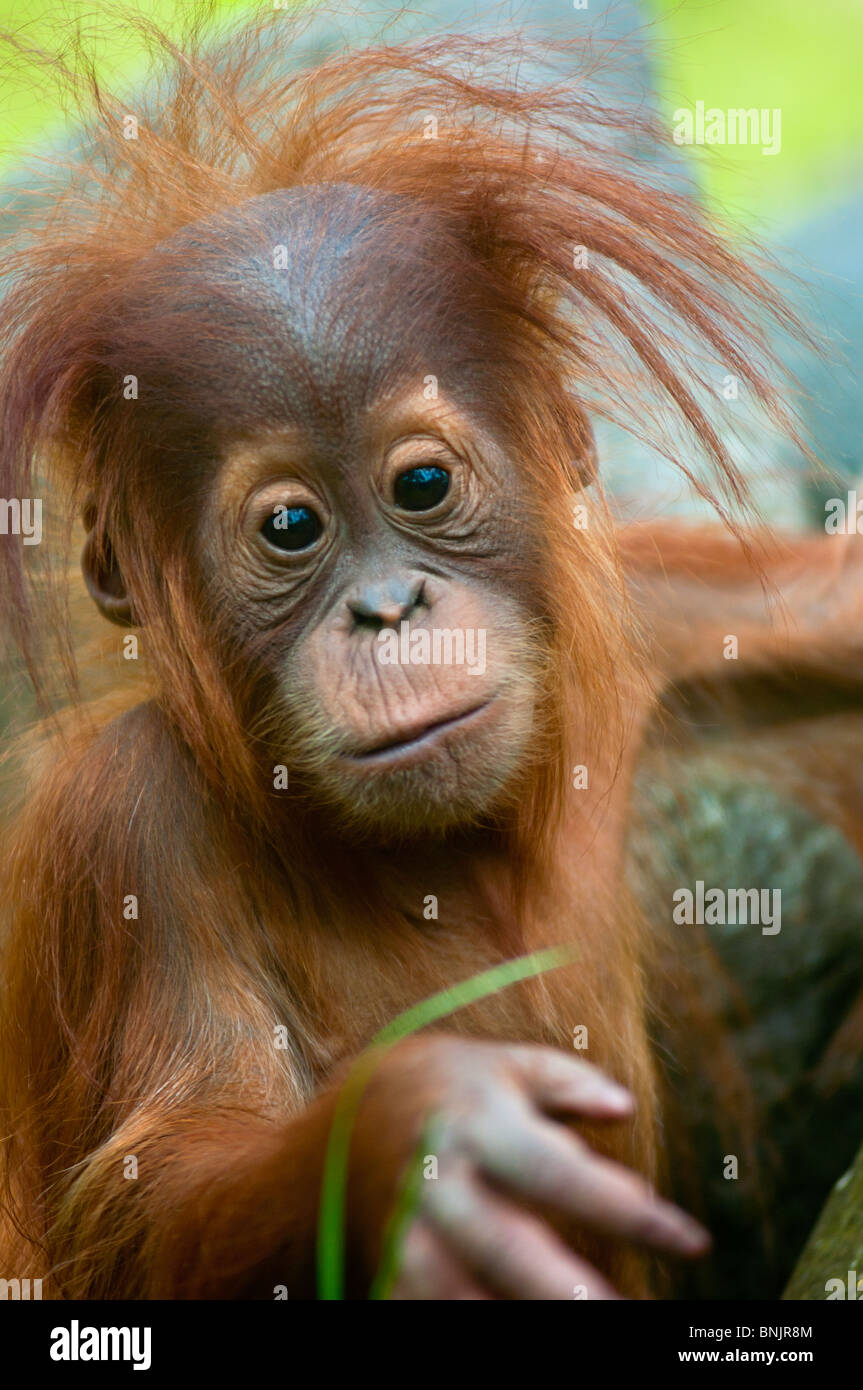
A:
x: 790, y: 601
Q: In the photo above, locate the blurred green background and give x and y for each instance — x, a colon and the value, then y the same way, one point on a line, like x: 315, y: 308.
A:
x: 793, y: 54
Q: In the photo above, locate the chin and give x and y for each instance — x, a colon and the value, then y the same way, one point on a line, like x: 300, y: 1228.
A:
x: 454, y: 774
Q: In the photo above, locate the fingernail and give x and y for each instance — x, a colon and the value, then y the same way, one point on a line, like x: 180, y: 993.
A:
x: 618, y: 1097
x: 696, y: 1237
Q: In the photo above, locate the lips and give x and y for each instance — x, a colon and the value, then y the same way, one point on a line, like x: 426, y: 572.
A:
x: 419, y: 737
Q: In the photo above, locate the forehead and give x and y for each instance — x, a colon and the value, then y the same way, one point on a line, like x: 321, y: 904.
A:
x: 304, y: 305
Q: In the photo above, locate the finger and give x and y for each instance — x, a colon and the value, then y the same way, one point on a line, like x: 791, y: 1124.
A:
x: 508, y: 1249
x: 429, y: 1270
x: 556, y: 1081
x: 546, y: 1163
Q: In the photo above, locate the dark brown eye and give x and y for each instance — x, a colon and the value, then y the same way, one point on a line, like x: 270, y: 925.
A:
x: 419, y: 489
x: 292, y: 528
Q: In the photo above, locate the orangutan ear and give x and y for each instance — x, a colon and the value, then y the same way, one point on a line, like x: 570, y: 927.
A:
x: 103, y: 577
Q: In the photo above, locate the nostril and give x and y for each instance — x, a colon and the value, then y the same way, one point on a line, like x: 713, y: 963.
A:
x: 386, y: 605
x: 414, y: 600
x: 364, y: 617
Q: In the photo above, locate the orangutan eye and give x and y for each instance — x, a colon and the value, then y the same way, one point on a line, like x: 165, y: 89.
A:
x: 292, y: 528
x: 419, y: 489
